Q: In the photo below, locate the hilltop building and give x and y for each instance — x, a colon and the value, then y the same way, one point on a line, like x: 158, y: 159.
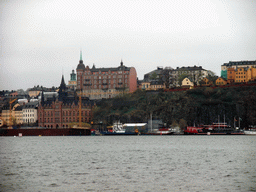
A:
x: 220, y: 81
x: 195, y: 74
x: 241, y: 74
x: 187, y: 82
x: 98, y: 83
x: 236, y: 65
x: 169, y: 77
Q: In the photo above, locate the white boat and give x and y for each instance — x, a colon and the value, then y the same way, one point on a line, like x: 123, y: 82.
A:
x: 118, y: 127
x: 250, y: 132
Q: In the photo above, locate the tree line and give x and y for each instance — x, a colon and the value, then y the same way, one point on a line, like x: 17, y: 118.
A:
x: 202, y: 105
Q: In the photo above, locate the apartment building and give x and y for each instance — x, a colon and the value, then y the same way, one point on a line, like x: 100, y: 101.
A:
x: 98, y: 83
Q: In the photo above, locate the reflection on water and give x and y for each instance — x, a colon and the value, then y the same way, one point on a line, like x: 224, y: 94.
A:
x: 128, y: 163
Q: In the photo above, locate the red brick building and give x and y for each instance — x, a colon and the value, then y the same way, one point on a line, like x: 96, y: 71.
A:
x: 64, y: 110
x: 98, y: 83
x: 58, y: 114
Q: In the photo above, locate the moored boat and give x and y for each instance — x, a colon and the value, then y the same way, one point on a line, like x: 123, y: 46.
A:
x: 40, y: 131
x: 214, y: 129
x: 122, y: 129
x: 161, y: 131
x: 250, y: 132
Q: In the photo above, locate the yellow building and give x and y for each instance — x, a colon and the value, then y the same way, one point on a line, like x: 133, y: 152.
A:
x: 251, y: 74
x: 220, y: 81
x: 145, y: 86
x: 231, y: 73
x: 34, y: 93
x: 206, y: 82
x: 241, y: 74
x: 16, y: 115
x: 186, y: 82
x: 151, y: 86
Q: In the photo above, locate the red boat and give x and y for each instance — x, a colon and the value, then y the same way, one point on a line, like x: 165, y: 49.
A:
x: 214, y: 129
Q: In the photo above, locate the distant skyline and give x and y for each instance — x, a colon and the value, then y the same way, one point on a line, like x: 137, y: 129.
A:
x: 41, y: 39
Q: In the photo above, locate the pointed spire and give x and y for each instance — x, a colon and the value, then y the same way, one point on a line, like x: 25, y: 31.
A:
x: 121, y: 62
x: 62, y: 84
x: 62, y: 80
x: 81, y: 55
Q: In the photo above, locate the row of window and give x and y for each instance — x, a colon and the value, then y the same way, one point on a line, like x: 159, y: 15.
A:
x: 66, y: 120
x: 66, y: 113
x: 120, y: 85
x: 28, y: 115
x: 103, y: 77
x: 28, y: 110
x: 28, y: 120
x: 105, y: 81
x: 240, y: 77
x: 109, y: 72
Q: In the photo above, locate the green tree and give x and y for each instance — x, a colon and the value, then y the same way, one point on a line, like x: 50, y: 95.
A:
x: 153, y: 76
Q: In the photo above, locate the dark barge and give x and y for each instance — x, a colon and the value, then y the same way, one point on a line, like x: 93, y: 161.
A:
x: 45, y: 132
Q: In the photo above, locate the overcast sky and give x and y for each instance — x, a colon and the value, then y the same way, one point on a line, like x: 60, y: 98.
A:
x: 41, y: 39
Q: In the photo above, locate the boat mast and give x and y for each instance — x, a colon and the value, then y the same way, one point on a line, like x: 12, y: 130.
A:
x: 151, y: 121
x: 218, y: 121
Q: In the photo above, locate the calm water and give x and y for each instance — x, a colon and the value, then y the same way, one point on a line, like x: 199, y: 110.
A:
x: 128, y: 163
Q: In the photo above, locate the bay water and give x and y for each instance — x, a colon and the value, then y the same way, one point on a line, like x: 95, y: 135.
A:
x: 128, y: 163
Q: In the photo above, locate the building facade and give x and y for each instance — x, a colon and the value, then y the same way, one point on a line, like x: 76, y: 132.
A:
x: 59, y: 114
x: 235, y: 65
x: 206, y: 82
x: 186, y: 82
x: 220, y: 81
x: 98, y: 83
x: 152, y: 86
x: 241, y: 74
x: 15, y: 115
x: 29, y: 113
x: 195, y: 74
x: 64, y: 110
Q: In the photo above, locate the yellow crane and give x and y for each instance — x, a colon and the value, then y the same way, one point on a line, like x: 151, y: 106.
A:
x: 10, y: 116
x: 80, y: 110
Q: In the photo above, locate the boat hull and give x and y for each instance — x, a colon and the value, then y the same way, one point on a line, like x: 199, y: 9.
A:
x: 169, y: 133
x: 212, y: 130
x: 250, y: 132
x: 45, y: 132
x: 113, y: 133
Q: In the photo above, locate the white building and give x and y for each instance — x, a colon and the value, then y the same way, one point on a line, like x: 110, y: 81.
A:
x: 29, y: 112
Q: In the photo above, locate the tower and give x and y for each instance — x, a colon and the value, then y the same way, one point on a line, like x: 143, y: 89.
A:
x: 62, y: 90
x: 79, y: 70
